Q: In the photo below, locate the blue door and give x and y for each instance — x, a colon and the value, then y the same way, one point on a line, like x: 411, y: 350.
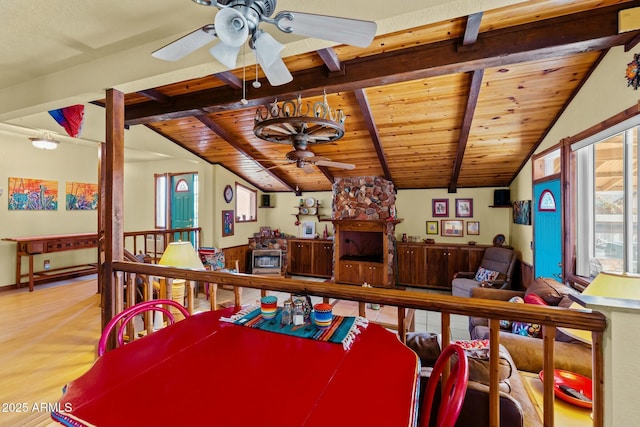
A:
x: 182, y: 203
x: 547, y: 230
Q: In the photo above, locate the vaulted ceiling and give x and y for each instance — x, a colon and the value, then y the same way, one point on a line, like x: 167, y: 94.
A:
x: 455, y: 104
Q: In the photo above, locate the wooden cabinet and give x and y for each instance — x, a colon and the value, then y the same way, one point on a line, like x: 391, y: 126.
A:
x: 445, y: 261
x: 299, y: 257
x: 322, y: 258
x: 412, y: 264
x: 310, y: 257
x: 359, y: 272
x: 433, y: 266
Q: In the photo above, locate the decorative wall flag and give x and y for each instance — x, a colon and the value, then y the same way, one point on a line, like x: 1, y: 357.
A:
x: 70, y: 118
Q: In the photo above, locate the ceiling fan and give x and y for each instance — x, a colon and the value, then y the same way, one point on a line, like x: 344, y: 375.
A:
x: 305, y: 159
x: 238, y: 21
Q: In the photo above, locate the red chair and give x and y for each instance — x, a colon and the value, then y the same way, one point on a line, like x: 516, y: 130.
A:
x: 130, y: 313
x: 454, y: 389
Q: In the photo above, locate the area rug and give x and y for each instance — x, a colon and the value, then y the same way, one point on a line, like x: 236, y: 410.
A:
x: 343, y: 329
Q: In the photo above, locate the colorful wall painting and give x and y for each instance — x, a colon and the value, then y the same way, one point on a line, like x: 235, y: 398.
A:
x: 27, y: 194
x: 522, y: 212
x: 81, y: 196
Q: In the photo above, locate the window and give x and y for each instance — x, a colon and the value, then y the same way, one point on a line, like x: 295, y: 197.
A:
x: 607, y: 203
x: 246, y: 202
x: 161, y: 207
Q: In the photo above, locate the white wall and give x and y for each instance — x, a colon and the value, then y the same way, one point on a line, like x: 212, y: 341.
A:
x: 67, y: 163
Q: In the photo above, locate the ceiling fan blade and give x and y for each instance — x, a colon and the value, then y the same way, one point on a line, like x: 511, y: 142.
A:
x: 354, y: 32
x: 277, y: 73
x: 267, y: 48
x: 225, y: 54
x: 191, y: 42
x: 307, y: 168
x: 331, y: 164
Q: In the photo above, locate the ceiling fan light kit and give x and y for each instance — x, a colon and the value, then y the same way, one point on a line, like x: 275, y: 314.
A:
x: 238, y: 21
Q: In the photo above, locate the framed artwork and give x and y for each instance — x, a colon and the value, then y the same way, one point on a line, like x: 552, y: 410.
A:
x: 28, y: 194
x: 432, y: 227
x: 227, y: 223
x: 451, y: 228
x: 81, y: 196
x: 440, y: 207
x: 308, y: 229
x: 473, y: 228
x: 522, y: 212
x: 464, y: 208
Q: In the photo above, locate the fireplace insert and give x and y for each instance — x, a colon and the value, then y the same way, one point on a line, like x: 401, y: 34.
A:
x: 266, y: 261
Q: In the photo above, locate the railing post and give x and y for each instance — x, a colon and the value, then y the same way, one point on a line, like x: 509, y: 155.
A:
x: 494, y: 359
x: 549, y: 338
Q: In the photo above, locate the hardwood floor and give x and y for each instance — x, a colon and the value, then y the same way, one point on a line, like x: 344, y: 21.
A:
x: 49, y: 337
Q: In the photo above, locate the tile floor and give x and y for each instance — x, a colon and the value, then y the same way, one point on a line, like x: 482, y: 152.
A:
x: 424, y: 320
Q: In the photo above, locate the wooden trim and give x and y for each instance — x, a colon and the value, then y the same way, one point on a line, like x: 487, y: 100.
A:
x: 603, y: 125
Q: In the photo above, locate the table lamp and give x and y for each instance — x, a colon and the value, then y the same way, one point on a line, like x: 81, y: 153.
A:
x: 180, y: 254
x: 606, y: 286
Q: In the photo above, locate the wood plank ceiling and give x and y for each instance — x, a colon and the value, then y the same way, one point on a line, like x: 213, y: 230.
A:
x: 455, y: 104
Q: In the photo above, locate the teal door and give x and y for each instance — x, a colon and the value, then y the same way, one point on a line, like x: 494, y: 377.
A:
x: 547, y: 230
x: 182, y: 203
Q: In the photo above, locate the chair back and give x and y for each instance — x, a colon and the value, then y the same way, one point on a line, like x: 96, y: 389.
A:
x: 160, y: 305
x: 453, y: 390
x: 502, y: 260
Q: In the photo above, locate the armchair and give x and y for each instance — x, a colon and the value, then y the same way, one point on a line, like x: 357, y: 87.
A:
x: 496, y: 269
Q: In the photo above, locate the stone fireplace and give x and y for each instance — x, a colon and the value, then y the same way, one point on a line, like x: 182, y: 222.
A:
x: 363, y: 214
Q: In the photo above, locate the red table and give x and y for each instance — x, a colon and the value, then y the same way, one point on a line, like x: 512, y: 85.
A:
x: 202, y: 371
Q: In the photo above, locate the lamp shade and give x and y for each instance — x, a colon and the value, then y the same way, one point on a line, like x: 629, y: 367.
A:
x: 181, y: 254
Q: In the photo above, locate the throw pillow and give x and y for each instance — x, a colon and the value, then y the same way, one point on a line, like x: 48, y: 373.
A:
x: 484, y: 275
x: 526, y: 329
x: 507, y: 324
x: 534, y: 299
x: 478, y: 356
x: 549, y: 290
x: 426, y: 346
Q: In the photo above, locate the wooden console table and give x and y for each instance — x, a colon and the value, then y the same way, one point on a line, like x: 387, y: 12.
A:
x: 36, y: 245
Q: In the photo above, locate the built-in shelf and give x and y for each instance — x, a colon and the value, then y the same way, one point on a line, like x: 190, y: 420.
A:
x: 266, y: 207
x: 500, y: 206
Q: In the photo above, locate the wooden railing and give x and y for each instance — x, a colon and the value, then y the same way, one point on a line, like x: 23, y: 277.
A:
x: 138, y: 241
x: 550, y: 318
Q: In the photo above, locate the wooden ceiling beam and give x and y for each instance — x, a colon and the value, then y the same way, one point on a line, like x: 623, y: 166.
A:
x: 331, y: 60
x: 576, y: 33
x: 229, y: 79
x: 155, y: 95
x: 465, y: 128
x: 472, y: 29
x: 471, y: 32
x: 369, y: 121
x: 222, y: 133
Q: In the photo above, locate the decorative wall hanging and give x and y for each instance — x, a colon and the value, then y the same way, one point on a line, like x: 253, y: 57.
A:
x: 452, y: 228
x: 473, y: 228
x: 308, y: 230
x: 633, y: 72
x: 432, y: 227
x: 440, y: 207
x: 464, y: 208
x: 27, y: 194
x: 522, y: 212
x: 81, y: 196
x: 227, y: 223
